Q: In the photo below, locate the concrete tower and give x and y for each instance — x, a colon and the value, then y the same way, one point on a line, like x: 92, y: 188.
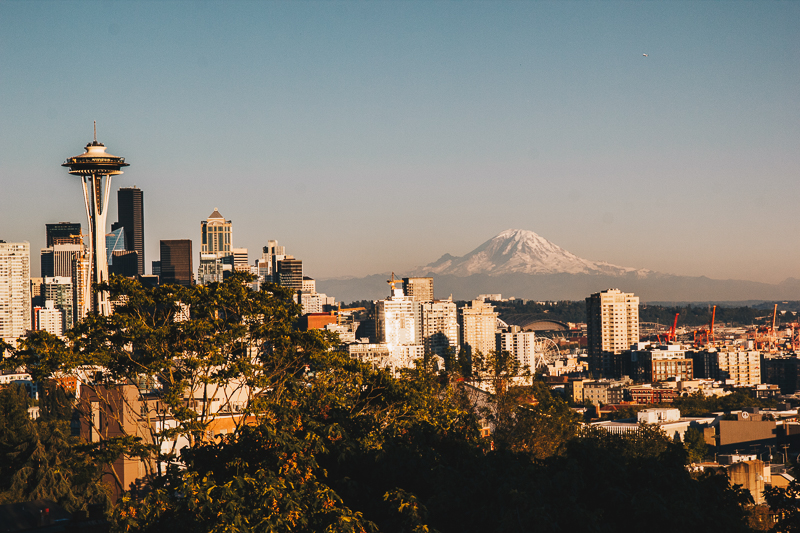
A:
x: 95, y: 167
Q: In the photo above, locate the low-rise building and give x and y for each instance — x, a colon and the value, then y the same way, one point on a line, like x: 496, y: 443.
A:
x: 668, y: 420
x: 651, y: 362
x: 647, y: 394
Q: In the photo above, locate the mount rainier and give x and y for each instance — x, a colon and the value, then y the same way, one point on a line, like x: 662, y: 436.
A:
x: 523, y: 264
x: 522, y: 252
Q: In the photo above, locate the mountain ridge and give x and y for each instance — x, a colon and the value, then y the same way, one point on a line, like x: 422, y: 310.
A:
x: 523, y: 252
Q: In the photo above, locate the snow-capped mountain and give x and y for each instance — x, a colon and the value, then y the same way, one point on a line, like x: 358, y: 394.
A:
x: 523, y: 252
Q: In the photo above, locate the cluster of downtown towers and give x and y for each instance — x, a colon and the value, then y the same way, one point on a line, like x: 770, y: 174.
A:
x: 55, y: 301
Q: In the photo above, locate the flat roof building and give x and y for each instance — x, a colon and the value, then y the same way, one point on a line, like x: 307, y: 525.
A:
x: 612, y: 320
x: 176, y: 262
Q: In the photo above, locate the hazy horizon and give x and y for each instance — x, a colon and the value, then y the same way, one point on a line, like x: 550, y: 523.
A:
x: 371, y: 137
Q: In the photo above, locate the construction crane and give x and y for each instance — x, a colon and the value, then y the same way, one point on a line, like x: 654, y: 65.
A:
x: 671, y: 334
x: 392, y: 281
x: 707, y: 333
x: 772, y: 335
x: 713, y: 317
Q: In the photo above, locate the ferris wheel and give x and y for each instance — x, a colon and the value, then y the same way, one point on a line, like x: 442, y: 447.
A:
x: 545, y: 352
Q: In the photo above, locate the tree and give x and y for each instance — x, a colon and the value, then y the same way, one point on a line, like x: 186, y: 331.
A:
x: 785, y: 503
x: 533, y: 421
x: 161, y: 375
x: 695, y: 443
x: 40, y: 460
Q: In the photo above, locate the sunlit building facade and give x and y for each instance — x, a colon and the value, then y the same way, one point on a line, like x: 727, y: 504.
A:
x: 15, y: 301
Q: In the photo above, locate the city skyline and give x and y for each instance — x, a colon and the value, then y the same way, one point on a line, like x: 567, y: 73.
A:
x: 294, y: 117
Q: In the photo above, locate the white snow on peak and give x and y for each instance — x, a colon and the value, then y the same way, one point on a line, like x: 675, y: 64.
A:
x: 521, y: 251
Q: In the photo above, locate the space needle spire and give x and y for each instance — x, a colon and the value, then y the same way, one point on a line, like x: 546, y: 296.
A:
x: 95, y: 167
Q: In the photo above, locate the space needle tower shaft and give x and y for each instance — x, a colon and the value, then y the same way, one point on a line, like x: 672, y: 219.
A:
x: 95, y: 167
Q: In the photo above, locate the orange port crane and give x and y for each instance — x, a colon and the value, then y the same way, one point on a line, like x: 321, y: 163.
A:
x: 707, y: 333
x: 671, y: 334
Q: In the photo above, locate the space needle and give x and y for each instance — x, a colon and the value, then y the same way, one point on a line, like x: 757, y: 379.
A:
x: 95, y: 167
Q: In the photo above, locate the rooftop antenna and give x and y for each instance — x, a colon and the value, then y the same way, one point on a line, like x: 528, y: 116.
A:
x: 95, y: 131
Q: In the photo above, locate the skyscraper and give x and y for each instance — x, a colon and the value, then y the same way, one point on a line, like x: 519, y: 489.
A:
x: 95, y: 167
x: 124, y: 263
x: 59, y: 259
x: 612, y: 326
x: 268, y: 264
x: 130, y: 213
x: 290, y: 273
x: 63, y: 232
x: 115, y: 242
x: 15, y: 301
x: 217, y: 235
x: 176, y: 262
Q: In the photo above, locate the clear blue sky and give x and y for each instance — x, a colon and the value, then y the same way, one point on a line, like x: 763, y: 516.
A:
x: 376, y: 136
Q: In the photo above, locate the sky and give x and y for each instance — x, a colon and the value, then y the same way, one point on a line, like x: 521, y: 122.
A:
x: 370, y: 137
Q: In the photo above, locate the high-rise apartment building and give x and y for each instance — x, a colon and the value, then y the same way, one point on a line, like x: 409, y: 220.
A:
x: 439, y: 326
x: 59, y: 290
x: 217, y: 235
x: 478, y: 323
x: 399, y: 326
x: 419, y: 289
x: 743, y: 367
x: 63, y: 233
x: 15, y: 301
x: 176, y: 262
x: 309, y: 285
x: 612, y: 320
x: 520, y: 344
x: 130, y: 216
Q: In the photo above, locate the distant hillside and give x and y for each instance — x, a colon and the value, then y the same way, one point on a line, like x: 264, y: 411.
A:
x: 658, y: 287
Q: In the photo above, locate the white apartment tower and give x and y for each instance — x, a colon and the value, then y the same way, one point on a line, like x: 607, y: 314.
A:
x: 15, y: 301
x: 520, y: 344
x: 49, y: 318
x: 399, y: 326
x: 612, y: 320
x: 440, y: 326
x: 59, y: 290
x: 478, y: 322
